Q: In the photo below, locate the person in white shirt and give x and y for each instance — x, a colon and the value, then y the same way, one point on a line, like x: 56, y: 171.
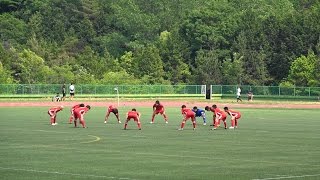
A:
x: 72, y: 91
x: 239, y: 94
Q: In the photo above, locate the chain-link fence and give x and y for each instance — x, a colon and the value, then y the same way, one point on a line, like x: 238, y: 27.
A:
x: 267, y: 90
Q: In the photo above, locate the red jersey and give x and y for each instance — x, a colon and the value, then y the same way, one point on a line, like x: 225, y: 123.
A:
x: 55, y: 109
x: 158, y: 107
x: 81, y: 110
x: 218, y: 112
x: 234, y: 113
x: 187, y: 111
x: 76, y: 106
x: 111, y: 108
x: 133, y: 114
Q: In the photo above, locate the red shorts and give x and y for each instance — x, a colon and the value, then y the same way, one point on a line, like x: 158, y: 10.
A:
x: 159, y: 111
x: 78, y: 116
x: 135, y: 118
x: 238, y: 116
x: 223, y: 118
x: 189, y: 115
x: 51, y: 113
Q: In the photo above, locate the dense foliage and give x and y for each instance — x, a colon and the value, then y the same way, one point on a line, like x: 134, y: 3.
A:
x: 160, y: 42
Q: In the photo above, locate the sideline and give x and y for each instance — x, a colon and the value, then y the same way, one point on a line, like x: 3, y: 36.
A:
x: 289, y: 177
x: 62, y: 173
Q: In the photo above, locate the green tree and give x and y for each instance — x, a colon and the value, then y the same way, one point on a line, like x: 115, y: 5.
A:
x: 208, y: 68
x: 304, y: 71
x: 5, y: 76
x: 148, y: 62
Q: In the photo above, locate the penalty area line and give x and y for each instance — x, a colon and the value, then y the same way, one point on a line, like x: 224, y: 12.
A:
x: 62, y: 173
x: 289, y: 177
x: 95, y: 140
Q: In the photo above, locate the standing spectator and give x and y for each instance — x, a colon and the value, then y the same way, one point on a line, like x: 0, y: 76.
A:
x: 72, y: 91
x: 239, y: 94
x: 63, y: 91
x: 250, y: 96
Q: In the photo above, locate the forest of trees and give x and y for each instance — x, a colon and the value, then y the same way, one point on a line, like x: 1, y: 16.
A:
x: 261, y: 42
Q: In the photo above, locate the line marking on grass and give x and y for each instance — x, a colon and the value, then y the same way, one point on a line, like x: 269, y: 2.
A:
x: 62, y: 173
x: 97, y: 139
x: 290, y: 177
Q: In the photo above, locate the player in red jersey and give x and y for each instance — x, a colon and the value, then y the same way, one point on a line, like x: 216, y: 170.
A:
x: 158, y: 108
x: 220, y: 116
x: 79, y: 114
x: 187, y: 114
x: 207, y: 108
x: 235, y: 116
x: 72, y: 111
x: 135, y: 115
x: 113, y: 110
x: 53, y: 114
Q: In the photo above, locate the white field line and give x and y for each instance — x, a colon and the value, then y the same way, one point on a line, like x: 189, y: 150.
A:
x: 289, y: 177
x: 62, y: 173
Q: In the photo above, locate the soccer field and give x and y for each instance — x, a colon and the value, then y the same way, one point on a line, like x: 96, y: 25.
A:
x: 269, y: 144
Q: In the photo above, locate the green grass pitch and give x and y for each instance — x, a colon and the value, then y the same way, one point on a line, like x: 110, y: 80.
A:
x: 269, y: 144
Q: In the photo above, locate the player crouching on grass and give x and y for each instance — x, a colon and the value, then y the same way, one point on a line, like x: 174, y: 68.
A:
x: 219, y: 116
x: 158, y: 108
x: 207, y: 108
x: 72, y: 111
x: 133, y: 114
x: 113, y: 110
x: 53, y: 114
x: 235, y: 116
x: 187, y: 114
x: 200, y: 113
x: 79, y: 114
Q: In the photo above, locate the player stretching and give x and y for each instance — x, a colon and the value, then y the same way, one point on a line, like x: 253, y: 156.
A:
x: 187, y: 114
x: 113, y: 110
x: 200, y: 113
x: 207, y: 108
x: 235, y: 116
x: 79, y: 114
x: 72, y: 111
x: 133, y: 114
x: 220, y: 116
x: 158, y: 108
x: 53, y: 114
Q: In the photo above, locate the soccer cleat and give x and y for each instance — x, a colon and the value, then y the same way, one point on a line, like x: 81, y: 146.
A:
x: 180, y: 129
x: 194, y: 128
x: 124, y: 128
x: 236, y: 127
x: 151, y: 122
x: 139, y: 128
x: 166, y: 122
x: 231, y: 127
x: 225, y: 128
x: 53, y: 124
x: 105, y: 122
x: 204, y: 124
x: 213, y: 128
x: 119, y: 122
